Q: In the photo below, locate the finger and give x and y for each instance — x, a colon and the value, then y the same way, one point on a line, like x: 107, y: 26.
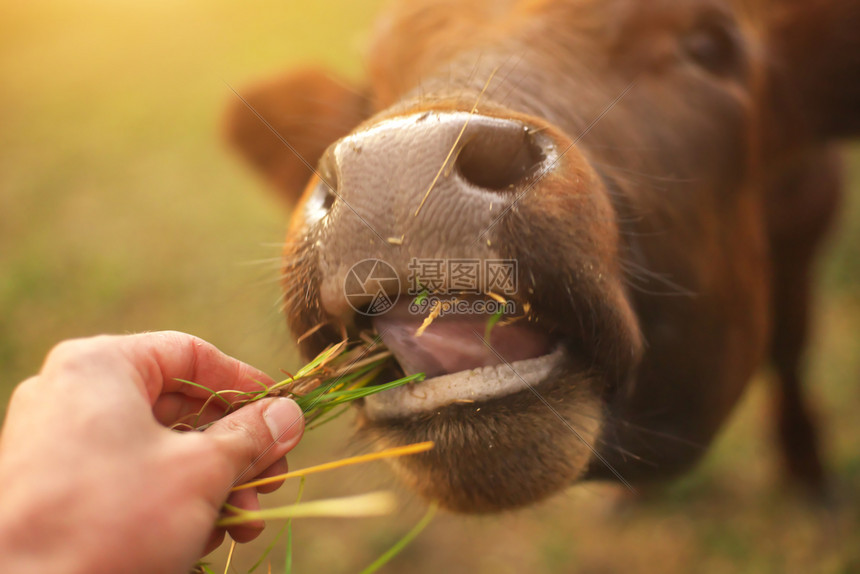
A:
x: 157, y: 362
x: 276, y: 468
x: 172, y: 357
x: 257, y: 435
x: 215, y: 540
x: 246, y: 500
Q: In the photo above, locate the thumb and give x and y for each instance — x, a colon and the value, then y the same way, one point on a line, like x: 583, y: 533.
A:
x: 256, y: 436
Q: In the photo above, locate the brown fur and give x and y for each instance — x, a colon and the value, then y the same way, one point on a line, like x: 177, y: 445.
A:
x: 689, y: 216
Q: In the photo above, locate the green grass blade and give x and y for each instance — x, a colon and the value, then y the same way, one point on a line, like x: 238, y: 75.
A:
x: 421, y: 297
x: 207, y: 389
x: 403, y: 542
x: 269, y: 548
x: 347, y: 378
x: 369, y: 377
x: 339, y: 412
x: 318, y: 403
x: 340, y: 397
x: 288, y: 552
x: 286, y: 530
x: 491, y: 322
x: 317, y: 361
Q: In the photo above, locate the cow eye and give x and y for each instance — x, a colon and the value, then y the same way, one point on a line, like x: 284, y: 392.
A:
x: 714, y: 47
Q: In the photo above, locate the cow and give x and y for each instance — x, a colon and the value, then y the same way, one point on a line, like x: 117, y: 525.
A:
x: 660, y: 174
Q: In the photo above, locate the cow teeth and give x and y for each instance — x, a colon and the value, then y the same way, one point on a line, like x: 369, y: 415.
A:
x: 473, y: 385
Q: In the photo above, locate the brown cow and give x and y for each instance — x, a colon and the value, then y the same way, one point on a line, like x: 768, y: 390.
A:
x: 661, y: 172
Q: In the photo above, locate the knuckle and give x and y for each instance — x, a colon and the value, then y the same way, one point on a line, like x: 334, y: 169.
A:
x: 181, y: 339
x: 72, y: 354
x: 25, y: 390
x: 235, y: 426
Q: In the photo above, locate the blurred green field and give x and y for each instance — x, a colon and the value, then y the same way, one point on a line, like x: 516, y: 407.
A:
x: 120, y: 211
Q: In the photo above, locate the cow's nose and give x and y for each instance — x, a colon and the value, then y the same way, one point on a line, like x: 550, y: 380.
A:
x: 423, y: 186
x: 389, y: 169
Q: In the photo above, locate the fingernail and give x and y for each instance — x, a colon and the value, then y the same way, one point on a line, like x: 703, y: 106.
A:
x: 285, y: 420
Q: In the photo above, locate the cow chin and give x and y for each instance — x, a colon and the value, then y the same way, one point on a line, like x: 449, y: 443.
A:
x: 503, y: 453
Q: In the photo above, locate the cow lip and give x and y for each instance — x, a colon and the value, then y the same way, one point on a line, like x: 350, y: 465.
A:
x: 464, y: 362
x: 463, y: 387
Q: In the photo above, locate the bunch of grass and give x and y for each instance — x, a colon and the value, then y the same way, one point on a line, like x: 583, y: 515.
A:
x: 323, y: 388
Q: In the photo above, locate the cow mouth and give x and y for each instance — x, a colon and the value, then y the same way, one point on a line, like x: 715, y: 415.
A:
x: 463, y: 360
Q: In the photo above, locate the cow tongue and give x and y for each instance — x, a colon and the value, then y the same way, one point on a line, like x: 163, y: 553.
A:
x: 455, y: 343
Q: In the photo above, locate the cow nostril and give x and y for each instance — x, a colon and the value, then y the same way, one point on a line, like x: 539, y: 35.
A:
x: 327, y: 184
x: 500, y: 157
x: 328, y: 198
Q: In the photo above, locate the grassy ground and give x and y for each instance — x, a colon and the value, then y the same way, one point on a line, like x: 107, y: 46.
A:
x: 120, y: 211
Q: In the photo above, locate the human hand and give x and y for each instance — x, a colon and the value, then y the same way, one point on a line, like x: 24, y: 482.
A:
x: 91, y: 480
